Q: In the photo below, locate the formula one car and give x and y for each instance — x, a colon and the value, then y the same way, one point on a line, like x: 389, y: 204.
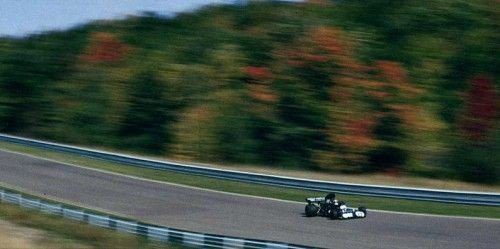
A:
x: 330, y: 207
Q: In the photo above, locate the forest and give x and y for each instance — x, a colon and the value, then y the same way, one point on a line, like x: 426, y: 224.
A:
x: 404, y: 87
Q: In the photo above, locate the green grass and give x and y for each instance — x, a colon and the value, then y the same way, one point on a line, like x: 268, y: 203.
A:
x: 389, y: 204
x: 81, y: 233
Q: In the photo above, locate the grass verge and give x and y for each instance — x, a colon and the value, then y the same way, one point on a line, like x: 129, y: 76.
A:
x: 68, y: 230
x: 388, y: 204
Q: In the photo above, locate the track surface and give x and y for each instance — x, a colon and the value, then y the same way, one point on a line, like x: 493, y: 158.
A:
x: 209, y: 212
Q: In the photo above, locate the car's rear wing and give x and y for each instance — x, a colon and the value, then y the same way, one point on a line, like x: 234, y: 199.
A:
x: 315, y: 199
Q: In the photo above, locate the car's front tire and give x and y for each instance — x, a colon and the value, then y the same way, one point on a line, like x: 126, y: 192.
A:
x: 311, y: 210
x: 362, y: 209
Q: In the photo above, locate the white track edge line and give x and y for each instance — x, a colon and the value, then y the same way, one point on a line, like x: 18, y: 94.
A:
x: 148, y: 180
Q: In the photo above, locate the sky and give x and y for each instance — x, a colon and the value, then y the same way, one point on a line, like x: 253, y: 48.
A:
x: 23, y: 17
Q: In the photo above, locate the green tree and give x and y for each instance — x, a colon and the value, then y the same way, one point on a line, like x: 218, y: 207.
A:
x: 28, y: 70
x: 302, y: 119
x: 145, y: 123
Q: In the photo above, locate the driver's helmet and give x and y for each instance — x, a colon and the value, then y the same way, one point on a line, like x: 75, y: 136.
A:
x: 330, y: 196
x: 331, y: 201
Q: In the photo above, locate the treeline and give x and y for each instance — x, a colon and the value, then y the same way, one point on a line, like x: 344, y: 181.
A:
x: 404, y: 87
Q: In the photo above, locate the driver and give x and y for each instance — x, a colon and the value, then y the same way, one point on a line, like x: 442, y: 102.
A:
x: 330, y: 199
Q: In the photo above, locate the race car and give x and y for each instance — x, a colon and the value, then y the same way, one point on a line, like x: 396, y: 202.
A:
x: 330, y: 207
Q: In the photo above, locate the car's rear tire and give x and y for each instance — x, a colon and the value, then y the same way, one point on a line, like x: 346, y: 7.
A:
x: 311, y: 210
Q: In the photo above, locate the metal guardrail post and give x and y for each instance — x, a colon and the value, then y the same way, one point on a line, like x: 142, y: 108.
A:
x: 159, y: 233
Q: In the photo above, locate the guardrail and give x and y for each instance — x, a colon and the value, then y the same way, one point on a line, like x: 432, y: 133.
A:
x: 447, y: 196
x: 154, y: 232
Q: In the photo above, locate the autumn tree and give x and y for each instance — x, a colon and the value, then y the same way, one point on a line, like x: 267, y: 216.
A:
x: 480, y: 109
x: 105, y: 47
x: 475, y: 156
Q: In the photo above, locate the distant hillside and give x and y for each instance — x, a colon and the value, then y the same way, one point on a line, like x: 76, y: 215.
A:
x: 404, y: 87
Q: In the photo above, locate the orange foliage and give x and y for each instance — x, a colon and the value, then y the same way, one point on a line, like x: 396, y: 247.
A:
x: 262, y: 93
x: 394, y: 74
x: 302, y: 56
x: 322, y: 45
x: 329, y: 39
x: 202, y: 112
x: 379, y: 95
x: 358, y: 133
x: 259, y: 90
x: 409, y: 114
x: 391, y: 71
x: 105, y: 47
x: 258, y: 73
x: 334, y: 43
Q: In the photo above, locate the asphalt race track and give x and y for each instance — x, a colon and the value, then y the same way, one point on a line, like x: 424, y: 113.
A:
x: 210, y: 212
